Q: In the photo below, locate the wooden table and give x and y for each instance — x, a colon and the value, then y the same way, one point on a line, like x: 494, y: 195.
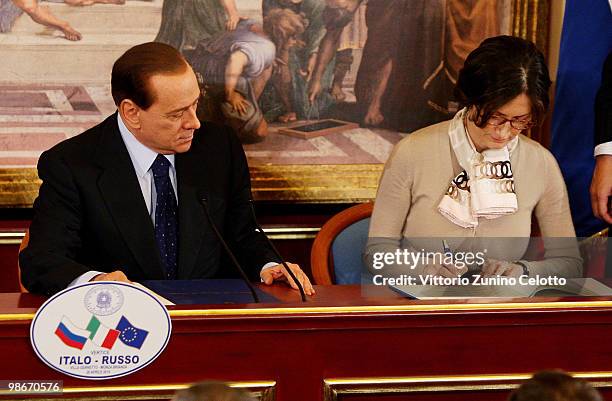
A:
x: 342, y: 345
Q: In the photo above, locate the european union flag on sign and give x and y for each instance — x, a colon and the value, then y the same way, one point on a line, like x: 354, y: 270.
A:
x: 130, y: 335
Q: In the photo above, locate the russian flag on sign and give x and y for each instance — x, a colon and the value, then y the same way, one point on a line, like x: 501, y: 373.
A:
x: 70, y: 334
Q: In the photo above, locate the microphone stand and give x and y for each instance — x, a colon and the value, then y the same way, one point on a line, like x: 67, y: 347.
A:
x: 204, y: 203
x: 276, y: 253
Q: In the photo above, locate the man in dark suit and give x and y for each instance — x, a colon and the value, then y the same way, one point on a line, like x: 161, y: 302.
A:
x: 124, y: 201
x: 601, y: 184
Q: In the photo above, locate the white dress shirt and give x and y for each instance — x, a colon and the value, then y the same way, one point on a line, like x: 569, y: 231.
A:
x: 603, y: 148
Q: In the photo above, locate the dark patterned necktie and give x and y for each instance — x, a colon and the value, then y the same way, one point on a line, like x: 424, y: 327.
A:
x: 166, y: 220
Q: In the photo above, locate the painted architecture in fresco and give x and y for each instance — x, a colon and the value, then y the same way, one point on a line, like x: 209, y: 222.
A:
x: 387, y: 65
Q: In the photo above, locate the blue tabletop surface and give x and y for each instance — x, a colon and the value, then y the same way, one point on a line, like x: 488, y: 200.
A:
x: 206, y: 292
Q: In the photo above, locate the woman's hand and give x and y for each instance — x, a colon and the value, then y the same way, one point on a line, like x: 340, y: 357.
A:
x: 494, y: 267
x: 444, y: 270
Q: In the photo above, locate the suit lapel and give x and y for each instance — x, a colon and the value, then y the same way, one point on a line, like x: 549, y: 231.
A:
x: 121, y: 193
x: 192, y: 186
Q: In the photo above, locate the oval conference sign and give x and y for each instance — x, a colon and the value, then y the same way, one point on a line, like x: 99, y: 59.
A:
x: 100, y: 330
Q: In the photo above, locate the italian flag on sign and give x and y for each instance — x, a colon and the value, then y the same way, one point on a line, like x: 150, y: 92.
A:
x: 101, y: 335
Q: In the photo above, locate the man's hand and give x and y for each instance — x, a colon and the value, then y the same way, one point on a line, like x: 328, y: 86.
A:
x: 279, y: 273
x: 493, y: 267
x: 117, y: 275
x: 601, y: 187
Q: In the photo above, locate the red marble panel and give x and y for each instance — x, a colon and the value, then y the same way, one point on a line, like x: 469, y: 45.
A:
x: 11, y: 99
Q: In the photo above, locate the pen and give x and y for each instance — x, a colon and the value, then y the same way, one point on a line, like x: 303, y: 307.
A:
x: 447, y: 250
x: 449, y: 253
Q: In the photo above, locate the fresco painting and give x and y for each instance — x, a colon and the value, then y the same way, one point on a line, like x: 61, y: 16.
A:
x: 385, y: 67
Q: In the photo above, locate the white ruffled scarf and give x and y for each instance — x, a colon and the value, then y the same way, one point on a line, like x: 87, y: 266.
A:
x: 485, y: 187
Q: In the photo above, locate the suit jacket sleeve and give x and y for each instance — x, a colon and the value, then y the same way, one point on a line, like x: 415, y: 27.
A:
x: 48, y: 262
x: 603, y: 105
x: 251, y: 247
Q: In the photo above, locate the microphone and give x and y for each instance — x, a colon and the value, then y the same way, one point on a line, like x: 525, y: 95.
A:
x: 204, y: 203
x: 276, y: 253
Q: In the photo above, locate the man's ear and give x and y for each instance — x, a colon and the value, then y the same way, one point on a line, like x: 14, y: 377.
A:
x: 130, y: 113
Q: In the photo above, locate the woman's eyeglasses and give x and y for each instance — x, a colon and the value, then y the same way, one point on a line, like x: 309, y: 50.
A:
x: 518, y: 124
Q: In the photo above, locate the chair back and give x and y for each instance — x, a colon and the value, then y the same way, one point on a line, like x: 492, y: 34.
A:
x: 336, y: 252
x: 22, y: 246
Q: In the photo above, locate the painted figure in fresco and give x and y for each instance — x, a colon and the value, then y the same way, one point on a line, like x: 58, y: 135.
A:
x: 400, y: 51
x: 351, y: 37
x: 294, y: 64
x: 337, y: 15
x: 394, y: 38
x: 343, y: 62
x: 187, y: 22
x: 466, y: 25
x: 81, y: 3
x: 234, y: 67
x: 11, y: 9
x: 410, y: 58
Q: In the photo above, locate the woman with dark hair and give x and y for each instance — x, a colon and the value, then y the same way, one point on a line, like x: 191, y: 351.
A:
x: 479, y: 176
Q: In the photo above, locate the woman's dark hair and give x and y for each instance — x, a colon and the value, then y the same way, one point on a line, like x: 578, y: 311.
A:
x: 500, y: 69
x: 133, y: 70
x: 555, y: 386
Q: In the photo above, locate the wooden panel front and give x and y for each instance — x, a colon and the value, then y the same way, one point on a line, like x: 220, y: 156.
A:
x: 439, y: 388
x: 342, y: 335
